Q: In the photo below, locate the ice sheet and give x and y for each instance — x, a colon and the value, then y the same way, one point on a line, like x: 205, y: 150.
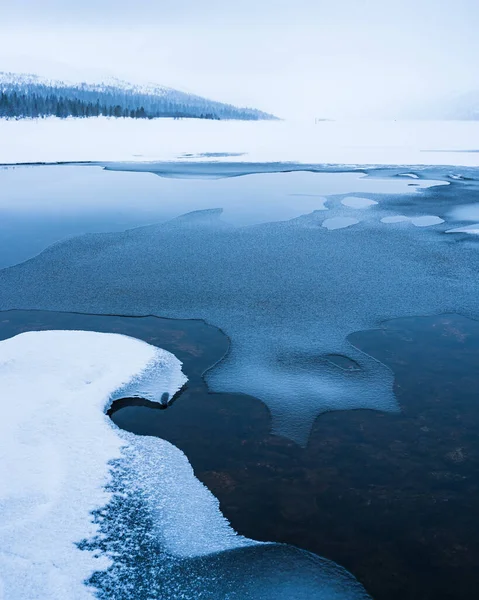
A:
x: 287, y: 293
x: 395, y: 219
x: 335, y: 142
x: 470, y: 229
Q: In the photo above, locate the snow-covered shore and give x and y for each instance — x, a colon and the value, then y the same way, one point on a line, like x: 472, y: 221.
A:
x: 59, y: 454
x: 335, y: 142
x: 87, y: 507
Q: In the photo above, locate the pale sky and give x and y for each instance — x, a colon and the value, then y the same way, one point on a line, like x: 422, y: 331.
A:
x: 305, y: 58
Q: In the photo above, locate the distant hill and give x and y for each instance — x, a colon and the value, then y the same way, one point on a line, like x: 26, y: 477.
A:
x: 30, y: 96
x: 453, y: 107
x: 463, y: 107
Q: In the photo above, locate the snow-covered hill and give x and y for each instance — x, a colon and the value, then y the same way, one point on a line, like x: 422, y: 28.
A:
x: 28, y: 95
x: 451, y: 107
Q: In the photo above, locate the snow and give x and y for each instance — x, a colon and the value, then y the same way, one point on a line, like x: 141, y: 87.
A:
x: 297, y: 292
x: 426, y: 220
x: 340, y: 142
x: 91, y: 511
x: 470, y: 229
x: 21, y: 79
x: 55, y: 447
x: 420, y: 221
x: 357, y: 202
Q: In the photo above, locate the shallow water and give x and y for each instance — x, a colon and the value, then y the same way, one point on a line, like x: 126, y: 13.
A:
x: 284, y: 290
x: 289, y: 291
x: 392, y: 498
x: 163, y: 529
x: 42, y: 205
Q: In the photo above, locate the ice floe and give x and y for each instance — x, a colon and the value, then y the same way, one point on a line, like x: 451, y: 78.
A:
x: 471, y: 229
x: 420, y: 221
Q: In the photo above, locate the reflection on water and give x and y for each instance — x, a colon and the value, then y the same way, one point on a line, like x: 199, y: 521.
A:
x: 41, y: 205
x: 394, y: 498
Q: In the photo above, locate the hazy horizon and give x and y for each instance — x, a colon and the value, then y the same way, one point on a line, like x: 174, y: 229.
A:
x: 303, y: 59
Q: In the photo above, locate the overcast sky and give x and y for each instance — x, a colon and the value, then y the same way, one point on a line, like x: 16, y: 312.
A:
x: 310, y: 58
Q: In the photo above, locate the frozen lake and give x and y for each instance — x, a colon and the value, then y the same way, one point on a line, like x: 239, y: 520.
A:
x: 326, y: 142
x: 287, y: 264
x: 42, y: 205
x: 287, y: 259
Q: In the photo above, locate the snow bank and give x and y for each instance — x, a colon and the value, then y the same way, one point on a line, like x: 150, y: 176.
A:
x: 56, y: 444
x: 341, y: 142
x: 419, y: 221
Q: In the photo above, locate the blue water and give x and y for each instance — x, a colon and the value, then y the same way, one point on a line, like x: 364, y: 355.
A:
x: 287, y: 291
x: 252, y: 255
x: 41, y: 205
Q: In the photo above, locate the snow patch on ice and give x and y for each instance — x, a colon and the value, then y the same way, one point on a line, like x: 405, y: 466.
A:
x: 56, y: 444
x: 421, y: 221
x: 336, y: 142
x: 471, y: 229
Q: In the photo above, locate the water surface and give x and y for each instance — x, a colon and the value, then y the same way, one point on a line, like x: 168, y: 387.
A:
x: 391, y: 497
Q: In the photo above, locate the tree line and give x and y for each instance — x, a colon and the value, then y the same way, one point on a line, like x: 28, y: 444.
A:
x: 33, y: 99
x: 21, y: 106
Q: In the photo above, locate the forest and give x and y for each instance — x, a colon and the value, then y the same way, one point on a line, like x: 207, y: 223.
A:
x: 34, y: 98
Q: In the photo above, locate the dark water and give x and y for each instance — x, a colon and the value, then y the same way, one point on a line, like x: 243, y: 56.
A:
x: 393, y: 498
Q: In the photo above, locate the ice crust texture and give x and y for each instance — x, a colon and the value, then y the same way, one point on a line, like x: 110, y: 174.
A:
x: 89, y: 199
x: 88, y: 510
x: 286, y: 293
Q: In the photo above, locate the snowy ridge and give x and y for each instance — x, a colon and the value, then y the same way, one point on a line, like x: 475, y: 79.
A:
x: 23, y: 80
x: 28, y: 95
